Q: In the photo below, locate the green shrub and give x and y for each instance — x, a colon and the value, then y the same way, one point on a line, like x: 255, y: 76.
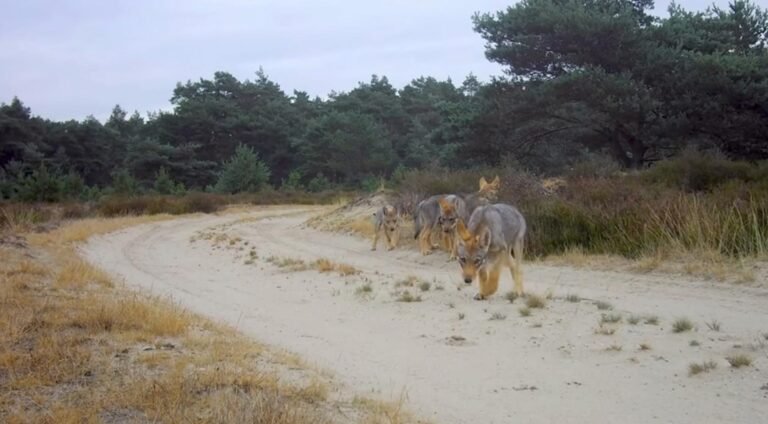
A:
x: 244, y: 172
x: 370, y: 184
x: 701, y: 171
x: 319, y: 183
x: 123, y: 183
x: 293, y: 182
x: 164, y: 184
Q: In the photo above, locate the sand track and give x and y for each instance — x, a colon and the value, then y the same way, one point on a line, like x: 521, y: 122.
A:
x: 549, y: 367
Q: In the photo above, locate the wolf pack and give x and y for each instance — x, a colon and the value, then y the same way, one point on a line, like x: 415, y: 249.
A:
x: 483, y: 235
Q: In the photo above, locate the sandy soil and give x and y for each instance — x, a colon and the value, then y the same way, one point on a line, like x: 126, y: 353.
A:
x: 453, y: 362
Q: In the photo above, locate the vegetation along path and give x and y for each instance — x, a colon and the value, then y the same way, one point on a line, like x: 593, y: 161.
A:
x: 600, y: 346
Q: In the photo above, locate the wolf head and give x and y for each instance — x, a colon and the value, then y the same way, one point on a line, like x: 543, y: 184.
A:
x: 448, y: 216
x: 490, y: 190
x: 472, y: 250
x: 390, y: 218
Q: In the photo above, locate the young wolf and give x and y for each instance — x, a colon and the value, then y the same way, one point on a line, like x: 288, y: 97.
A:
x: 428, y: 211
x: 386, y: 218
x: 492, y: 240
x: 452, y: 209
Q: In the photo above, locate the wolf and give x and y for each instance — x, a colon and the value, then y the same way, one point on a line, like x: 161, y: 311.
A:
x: 492, y: 239
x: 428, y: 211
x: 386, y: 218
x: 452, y: 209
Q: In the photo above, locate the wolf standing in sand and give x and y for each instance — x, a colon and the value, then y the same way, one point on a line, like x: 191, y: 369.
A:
x: 452, y: 210
x: 386, y: 219
x: 492, y: 239
x: 428, y: 211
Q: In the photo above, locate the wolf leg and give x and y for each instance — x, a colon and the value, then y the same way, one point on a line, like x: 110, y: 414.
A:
x: 517, y: 268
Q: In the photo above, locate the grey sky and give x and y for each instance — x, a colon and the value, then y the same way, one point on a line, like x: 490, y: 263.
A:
x: 68, y: 59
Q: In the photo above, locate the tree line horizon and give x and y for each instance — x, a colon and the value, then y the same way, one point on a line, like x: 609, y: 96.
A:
x: 583, y: 79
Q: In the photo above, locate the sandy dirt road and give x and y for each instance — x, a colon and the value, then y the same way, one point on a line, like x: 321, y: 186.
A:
x: 452, y: 360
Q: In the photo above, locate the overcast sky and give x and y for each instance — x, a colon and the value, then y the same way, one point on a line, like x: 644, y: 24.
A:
x: 69, y: 59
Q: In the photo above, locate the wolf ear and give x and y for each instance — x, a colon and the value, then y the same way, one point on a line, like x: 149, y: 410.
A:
x: 496, y: 182
x: 464, y: 234
x: 484, y: 239
x: 483, y: 182
x: 444, y: 204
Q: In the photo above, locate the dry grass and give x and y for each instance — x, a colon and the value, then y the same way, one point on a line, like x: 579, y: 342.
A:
x: 610, y: 318
x: 511, y: 296
x: 714, y: 325
x: 633, y: 320
x: 290, y: 264
x: 682, y: 325
x: 740, y: 360
x: 535, y: 302
x: 364, y: 290
x: 497, y: 316
x: 651, y: 320
x: 326, y: 265
x: 76, y: 348
x: 573, y: 298
x: 707, y: 264
x: 406, y: 297
x: 694, y: 368
x: 524, y: 311
x: 605, y: 331
x: 603, y: 306
x: 645, y: 346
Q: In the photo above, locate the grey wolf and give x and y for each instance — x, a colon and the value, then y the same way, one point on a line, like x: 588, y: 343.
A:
x: 493, y: 239
x: 452, y: 209
x: 386, y: 218
x: 428, y: 211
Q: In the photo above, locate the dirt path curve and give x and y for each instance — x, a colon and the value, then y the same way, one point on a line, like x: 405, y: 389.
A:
x: 454, y: 362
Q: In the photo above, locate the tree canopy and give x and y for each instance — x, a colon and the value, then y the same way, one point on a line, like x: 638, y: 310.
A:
x: 582, y: 77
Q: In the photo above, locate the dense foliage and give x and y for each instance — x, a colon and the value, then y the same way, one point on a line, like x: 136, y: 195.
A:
x: 584, y: 79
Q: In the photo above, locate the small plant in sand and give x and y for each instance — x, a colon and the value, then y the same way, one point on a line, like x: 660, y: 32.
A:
x: 651, y: 320
x: 364, y: 290
x: 326, y: 265
x: 633, y: 320
x: 407, y: 297
x: 740, y: 360
x: 424, y: 286
x: 714, y: 325
x: 288, y: 263
x: 409, y: 281
x: 511, y: 296
x: 645, y: 346
x: 524, y: 311
x: 535, y: 302
x: 610, y: 318
x: 497, y: 316
x: 694, y: 343
x: 603, y: 306
x: 573, y: 298
x: 682, y: 325
x: 614, y: 348
x: 605, y: 331
x: 694, y: 368
x: 461, y: 315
